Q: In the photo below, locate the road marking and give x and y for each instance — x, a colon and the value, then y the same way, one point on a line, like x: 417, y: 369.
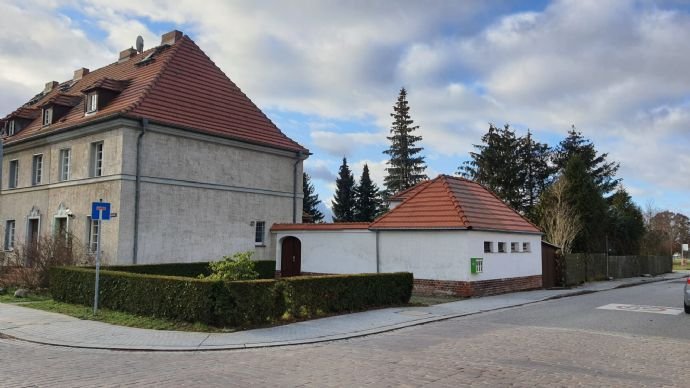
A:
x: 642, y: 309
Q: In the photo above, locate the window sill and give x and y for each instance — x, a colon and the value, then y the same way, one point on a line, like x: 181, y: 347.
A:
x: 260, y: 245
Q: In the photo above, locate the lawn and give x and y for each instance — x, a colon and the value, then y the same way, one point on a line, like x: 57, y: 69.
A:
x: 677, y: 266
x: 32, y: 297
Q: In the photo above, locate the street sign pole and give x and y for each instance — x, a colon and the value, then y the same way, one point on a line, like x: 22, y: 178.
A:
x: 98, y: 259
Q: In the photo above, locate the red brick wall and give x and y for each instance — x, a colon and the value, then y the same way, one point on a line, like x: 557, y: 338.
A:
x: 478, y: 288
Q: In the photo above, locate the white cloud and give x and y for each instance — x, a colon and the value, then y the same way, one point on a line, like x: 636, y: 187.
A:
x: 345, y: 144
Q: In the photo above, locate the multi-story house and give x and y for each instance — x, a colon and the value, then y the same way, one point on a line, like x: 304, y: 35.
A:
x: 192, y: 168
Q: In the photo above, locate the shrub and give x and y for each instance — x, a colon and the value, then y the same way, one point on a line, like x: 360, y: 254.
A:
x: 191, y: 270
x: 265, y: 268
x: 29, y: 263
x: 238, y: 267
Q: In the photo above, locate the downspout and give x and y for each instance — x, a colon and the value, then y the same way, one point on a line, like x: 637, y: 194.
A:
x: 294, y: 187
x: 378, y: 261
x: 137, y: 189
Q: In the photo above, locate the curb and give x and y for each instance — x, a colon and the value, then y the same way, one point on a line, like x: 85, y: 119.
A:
x: 334, y: 337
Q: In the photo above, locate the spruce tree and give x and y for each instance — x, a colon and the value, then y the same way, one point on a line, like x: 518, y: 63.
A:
x: 406, y: 165
x: 311, y: 200
x: 343, y: 203
x: 368, y: 202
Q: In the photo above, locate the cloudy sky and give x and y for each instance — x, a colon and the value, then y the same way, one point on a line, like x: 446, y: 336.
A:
x: 328, y: 72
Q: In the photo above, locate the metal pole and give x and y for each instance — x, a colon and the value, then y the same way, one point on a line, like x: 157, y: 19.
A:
x: 98, y: 260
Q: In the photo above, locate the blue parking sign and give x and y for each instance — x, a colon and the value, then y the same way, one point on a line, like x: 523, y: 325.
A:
x: 100, y: 211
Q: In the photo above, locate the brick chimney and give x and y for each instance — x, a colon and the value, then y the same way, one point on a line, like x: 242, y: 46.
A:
x: 50, y: 86
x: 80, y: 73
x: 126, y: 54
x: 171, y: 37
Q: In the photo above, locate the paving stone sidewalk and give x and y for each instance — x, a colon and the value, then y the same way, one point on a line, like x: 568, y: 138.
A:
x: 55, y: 329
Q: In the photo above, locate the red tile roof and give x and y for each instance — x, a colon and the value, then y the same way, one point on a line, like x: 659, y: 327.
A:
x: 448, y: 202
x: 179, y: 86
x: 332, y: 226
x: 407, y: 193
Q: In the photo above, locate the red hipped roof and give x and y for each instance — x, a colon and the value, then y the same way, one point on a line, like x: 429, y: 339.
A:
x: 180, y: 86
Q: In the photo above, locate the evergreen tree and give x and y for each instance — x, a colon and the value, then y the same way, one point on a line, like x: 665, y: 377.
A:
x: 343, y: 203
x: 368, y: 202
x: 626, y: 225
x: 602, y: 171
x: 537, y: 173
x: 311, y: 200
x: 406, y: 165
x: 588, y: 201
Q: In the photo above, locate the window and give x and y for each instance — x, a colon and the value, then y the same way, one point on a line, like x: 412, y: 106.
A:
x: 14, y: 174
x: 11, y: 128
x: 515, y: 247
x: 525, y: 247
x: 94, y: 230
x: 260, y: 232
x: 9, y: 235
x: 37, y: 170
x: 97, y: 159
x: 65, y: 156
x: 488, y: 247
x: 92, y: 102
x: 502, y: 247
x: 47, y: 116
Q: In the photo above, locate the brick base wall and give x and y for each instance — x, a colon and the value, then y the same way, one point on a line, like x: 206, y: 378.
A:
x: 478, y: 288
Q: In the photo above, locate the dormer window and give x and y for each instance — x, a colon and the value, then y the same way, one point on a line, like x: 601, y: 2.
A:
x: 92, y: 102
x: 10, y: 127
x: 47, y: 116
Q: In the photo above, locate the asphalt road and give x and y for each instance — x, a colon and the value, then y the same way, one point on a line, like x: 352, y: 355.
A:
x: 565, y: 342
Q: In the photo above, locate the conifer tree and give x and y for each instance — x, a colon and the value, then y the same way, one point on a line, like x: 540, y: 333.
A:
x: 368, y: 202
x: 406, y: 165
x: 343, y: 203
x: 311, y: 200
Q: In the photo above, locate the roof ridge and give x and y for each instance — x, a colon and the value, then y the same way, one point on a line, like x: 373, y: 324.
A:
x: 458, y: 207
x: 147, y: 90
x: 504, y: 203
x: 428, y: 183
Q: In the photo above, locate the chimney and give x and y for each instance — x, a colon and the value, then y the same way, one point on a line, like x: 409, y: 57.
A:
x: 171, y: 37
x: 126, y: 54
x: 80, y: 73
x: 50, y: 86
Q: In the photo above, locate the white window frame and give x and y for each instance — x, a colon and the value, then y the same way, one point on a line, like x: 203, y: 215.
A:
x: 97, y: 159
x: 491, y: 246
x: 92, y: 102
x: 514, y: 247
x: 13, y: 175
x: 260, y: 226
x: 56, y: 228
x: 47, y: 116
x: 11, y: 127
x: 10, y: 234
x: 65, y: 164
x: 526, y: 247
x: 479, y: 265
x: 36, y: 169
x: 94, y: 228
x: 501, y: 247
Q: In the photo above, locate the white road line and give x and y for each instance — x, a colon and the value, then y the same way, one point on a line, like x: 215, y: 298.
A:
x: 642, y: 309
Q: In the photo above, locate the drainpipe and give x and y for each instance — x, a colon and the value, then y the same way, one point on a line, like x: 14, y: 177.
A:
x: 137, y: 189
x: 294, y: 187
x: 378, y: 261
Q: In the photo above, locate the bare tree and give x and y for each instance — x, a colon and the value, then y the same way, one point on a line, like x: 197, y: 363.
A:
x: 559, y: 219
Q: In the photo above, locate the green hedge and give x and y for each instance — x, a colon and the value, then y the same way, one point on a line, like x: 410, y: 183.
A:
x: 238, y: 303
x: 265, y: 268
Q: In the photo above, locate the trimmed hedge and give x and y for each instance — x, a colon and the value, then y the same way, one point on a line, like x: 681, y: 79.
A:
x: 238, y: 303
x: 265, y: 268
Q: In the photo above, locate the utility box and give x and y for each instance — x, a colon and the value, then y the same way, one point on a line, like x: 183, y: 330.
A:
x: 477, y: 265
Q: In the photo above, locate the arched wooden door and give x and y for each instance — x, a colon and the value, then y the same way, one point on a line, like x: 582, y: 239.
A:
x: 291, y: 257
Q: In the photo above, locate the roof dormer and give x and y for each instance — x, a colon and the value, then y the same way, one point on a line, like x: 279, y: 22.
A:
x: 57, y: 107
x: 101, y: 92
x: 20, y: 119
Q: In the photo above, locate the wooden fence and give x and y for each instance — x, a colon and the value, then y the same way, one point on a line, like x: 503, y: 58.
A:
x: 582, y: 267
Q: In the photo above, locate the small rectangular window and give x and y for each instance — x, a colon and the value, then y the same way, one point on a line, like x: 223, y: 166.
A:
x: 37, y: 170
x: 97, y: 159
x: 65, y: 160
x: 9, y: 235
x: 14, y: 174
x: 260, y: 232
x: 94, y: 230
x: 47, y: 116
x: 92, y: 102
x: 514, y: 247
x: 11, y: 128
x: 502, y: 247
x: 488, y: 247
x: 525, y: 247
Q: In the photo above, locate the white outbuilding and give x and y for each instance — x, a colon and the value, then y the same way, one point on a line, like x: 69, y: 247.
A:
x: 453, y: 234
